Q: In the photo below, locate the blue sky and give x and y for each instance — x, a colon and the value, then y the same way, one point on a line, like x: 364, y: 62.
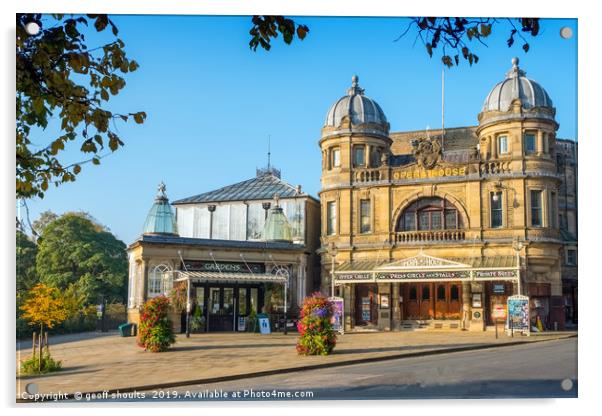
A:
x: 212, y: 102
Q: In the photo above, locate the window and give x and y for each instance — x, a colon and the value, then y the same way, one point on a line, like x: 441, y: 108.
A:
x: 413, y: 295
x: 536, y: 209
x: 502, y: 144
x: 441, y: 292
x: 454, y: 293
x: 331, y: 217
x: 496, y: 210
x: 159, y: 281
x: 336, y: 157
x: 375, y: 157
x: 255, y: 221
x: 430, y: 214
x: 563, y: 223
x: 359, y: 156
x: 365, y: 216
x: 529, y: 143
x: 571, y: 257
x: 426, y: 292
x: 553, y: 212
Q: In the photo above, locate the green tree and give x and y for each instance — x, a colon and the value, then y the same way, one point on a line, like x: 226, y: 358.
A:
x: 73, y: 251
x: 455, y: 35
x: 45, y: 218
x: 26, y: 251
x: 59, y: 76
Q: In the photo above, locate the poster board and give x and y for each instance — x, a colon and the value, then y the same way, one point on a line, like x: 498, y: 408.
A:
x: 242, y: 324
x: 264, y: 324
x: 338, y: 319
x: 518, y: 314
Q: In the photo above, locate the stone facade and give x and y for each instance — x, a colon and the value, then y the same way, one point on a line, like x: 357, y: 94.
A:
x: 507, y: 163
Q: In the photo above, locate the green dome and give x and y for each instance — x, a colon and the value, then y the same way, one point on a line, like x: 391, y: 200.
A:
x: 160, y: 218
x: 277, y: 227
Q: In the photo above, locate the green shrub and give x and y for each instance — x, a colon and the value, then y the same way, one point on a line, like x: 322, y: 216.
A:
x: 32, y: 365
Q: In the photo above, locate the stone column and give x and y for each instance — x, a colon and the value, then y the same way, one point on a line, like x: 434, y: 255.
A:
x: 493, y: 141
x: 396, y: 318
x: 465, y: 305
x: 143, y: 282
x: 539, y: 142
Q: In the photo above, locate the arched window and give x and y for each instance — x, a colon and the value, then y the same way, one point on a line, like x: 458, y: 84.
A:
x: 160, y: 280
x: 432, y: 213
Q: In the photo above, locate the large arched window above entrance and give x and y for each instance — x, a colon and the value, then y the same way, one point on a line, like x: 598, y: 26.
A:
x: 431, y: 213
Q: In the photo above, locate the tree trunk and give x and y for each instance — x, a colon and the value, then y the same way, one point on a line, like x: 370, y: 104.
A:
x: 41, y: 346
x: 33, y: 345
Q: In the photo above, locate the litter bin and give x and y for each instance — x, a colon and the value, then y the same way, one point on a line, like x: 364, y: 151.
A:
x: 125, y: 330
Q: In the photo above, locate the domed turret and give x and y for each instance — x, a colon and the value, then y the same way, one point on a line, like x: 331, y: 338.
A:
x: 277, y: 227
x: 160, y: 218
x: 516, y: 86
x: 358, y: 109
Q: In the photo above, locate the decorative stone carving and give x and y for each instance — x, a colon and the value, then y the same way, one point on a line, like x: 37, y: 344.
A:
x: 427, y: 152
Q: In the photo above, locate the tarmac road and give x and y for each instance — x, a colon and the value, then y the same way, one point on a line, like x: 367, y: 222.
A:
x: 540, y: 370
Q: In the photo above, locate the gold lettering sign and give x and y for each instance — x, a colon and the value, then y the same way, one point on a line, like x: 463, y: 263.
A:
x: 429, y: 173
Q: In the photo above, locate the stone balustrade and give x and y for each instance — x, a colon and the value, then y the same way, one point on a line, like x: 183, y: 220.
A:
x: 432, y: 235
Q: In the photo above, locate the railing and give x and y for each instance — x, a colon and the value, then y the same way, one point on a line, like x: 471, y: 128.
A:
x: 490, y: 168
x: 369, y: 175
x: 439, y: 235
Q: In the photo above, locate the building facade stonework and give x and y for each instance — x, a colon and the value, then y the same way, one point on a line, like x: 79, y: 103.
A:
x: 443, y: 225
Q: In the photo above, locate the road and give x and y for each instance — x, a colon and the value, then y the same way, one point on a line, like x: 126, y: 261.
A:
x: 540, y: 370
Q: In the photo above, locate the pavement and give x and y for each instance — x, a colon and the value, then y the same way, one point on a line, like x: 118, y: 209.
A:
x: 110, y: 362
x: 540, y: 370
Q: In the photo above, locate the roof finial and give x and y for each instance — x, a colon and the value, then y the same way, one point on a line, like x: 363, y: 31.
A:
x: 269, y: 154
x: 161, y: 188
x: 276, y: 200
x: 515, y: 71
x: 355, y: 86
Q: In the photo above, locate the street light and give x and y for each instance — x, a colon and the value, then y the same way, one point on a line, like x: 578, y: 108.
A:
x: 498, y: 188
x: 518, y: 245
x: 333, y: 252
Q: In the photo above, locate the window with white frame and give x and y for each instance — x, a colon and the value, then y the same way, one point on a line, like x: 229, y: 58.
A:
x: 160, y: 280
x: 502, y: 142
x: 331, y: 217
x: 336, y: 157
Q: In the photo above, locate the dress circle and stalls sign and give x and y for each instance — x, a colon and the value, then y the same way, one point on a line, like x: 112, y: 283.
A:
x: 518, y: 313
x: 337, y: 316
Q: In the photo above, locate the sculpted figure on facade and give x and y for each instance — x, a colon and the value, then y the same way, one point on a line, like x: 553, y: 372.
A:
x: 426, y: 151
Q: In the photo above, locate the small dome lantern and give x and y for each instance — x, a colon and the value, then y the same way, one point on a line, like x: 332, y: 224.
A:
x: 277, y: 227
x: 160, y: 218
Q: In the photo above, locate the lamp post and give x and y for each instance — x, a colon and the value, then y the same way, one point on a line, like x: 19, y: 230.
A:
x: 211, y: 209
x: 498, y: 187
x: 517, y: 245
x: 333, y: 252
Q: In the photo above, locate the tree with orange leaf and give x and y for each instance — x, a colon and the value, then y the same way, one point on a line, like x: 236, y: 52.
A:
x: 44, y: 306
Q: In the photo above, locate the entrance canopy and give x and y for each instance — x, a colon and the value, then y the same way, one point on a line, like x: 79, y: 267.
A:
x: 228, y: 277
x: 425, y: 268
